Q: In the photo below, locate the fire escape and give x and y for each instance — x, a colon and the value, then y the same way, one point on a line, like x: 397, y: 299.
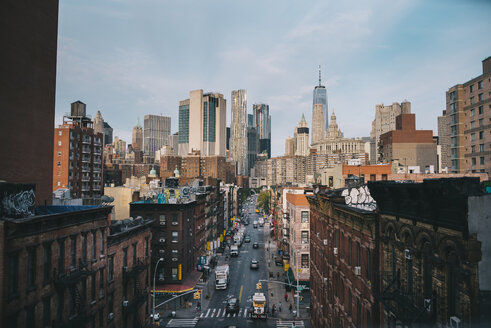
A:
x: 74, y: 280
x: 140, y: 294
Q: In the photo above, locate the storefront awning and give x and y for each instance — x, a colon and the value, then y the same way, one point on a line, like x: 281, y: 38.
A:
x: 186, y: 285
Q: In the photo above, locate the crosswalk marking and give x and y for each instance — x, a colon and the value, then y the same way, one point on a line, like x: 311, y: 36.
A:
x: 245, y: 313
x: 288, y: 324
x: 182, y: 322
x: 220, y: 312
x: 213, y: 313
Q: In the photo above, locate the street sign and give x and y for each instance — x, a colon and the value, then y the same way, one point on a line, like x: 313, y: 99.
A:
x: 300, y: 288
x: 203, y: 259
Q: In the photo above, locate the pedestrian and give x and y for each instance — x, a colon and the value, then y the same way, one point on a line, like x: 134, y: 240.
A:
x: 291, y: 307
x: 279, y: 307
x: 286, y: 297
x: 277, y: 275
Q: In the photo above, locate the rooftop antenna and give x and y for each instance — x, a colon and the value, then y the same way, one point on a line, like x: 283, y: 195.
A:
x: 319, y: 75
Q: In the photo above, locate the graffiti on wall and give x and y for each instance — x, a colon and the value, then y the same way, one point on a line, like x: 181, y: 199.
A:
x: 359, y: 197
x: 19, y: 204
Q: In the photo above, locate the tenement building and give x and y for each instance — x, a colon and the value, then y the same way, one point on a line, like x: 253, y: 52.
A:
x: 435, y: 252
x: 344, y: 258
x: 55, y: 267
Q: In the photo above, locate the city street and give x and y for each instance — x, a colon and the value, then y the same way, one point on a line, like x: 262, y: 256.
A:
x: 242, y: 285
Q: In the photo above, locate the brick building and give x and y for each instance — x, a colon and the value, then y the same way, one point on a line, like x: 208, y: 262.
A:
x: 54, y: 264
x: 77, y: 157
x: 435, y: 252
x: 128, y: 276
x: 408, y: 146
x: 344, y: 259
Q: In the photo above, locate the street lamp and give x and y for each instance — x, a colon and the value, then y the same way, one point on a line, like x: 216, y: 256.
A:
x: 154, y: 274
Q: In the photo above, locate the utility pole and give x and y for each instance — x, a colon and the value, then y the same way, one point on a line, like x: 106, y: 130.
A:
x: 298, y: 293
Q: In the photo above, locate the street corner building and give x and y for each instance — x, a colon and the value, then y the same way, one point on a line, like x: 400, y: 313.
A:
x: 62, y: 266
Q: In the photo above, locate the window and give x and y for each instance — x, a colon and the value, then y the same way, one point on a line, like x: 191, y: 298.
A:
x: 481, y: 110
x: 110, y: 275
x: 481, y: 122
x: 373, y: 177
x: 473, y: 136
x: 342, y: 245
x: 473, y: 112
x: 162, y: 219
x: 174, y: 273
x: 342, y: 292
x: 358, y: 254
x: 31, y: 316
x: 409, y: 272
x: 84, y: 247
x: 369, y: 265
x: 305, y: 237
x: 31, y: 268
x: 61, y: 304
x: 102, y: 241
x: 473, y: 149
x: 473, y: 161
x: 473, y: 124
x: 481, y: 135
x: 101, y: 283
x: 146, y: 247
x: 125, y: 256
x: 305, y: 216
x: 47, y: 262
x: 471, y: 88
x: 175, y: 219
x: 479, y: 97
x: 481, y: 147
x: 481, y: 160
x: 94, y: 243
x: 61, y: 256
x: 350, y: 303
x: 305, y: 260
x: 110, y: 304
x: 175, y: 236
x: 59, y: 143
x: 358, y: 312
x: 134, y: 254
x: 60, y: 133
x: 92, y: 288
x: 384, y: 177
x: 13, y: 280
x: 452, y: 95
x: 350, y: 251
x: 47, y: 311
x: 59, y: 154
x: 472, y: 100
x: 73, y: 251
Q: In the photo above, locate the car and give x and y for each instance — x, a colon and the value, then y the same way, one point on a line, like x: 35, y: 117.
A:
x: 232, y: 305
x: 254, y: 264
x: 247, y: 239
x: 255, y: 245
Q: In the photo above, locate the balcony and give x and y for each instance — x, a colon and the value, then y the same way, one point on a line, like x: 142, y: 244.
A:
x: 140, y: 297
x: 85, y: 168
x: 85, y: 188
x: 97, y: 169
x: 86, y: 140
x: 134, y: 271
x: 71, y: 276
x: 97, y: 142
x: 85, y: 179
x: 96, y: 178
x: 85, y: 159
x: 85, y: 150
x: 97, y: 161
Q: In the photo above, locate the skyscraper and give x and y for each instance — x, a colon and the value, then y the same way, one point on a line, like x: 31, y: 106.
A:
x: 289, y: 146
x: 156, y: 131
x: 320, y: 97
x: 318, y: 128
x: 202, y: 124
x: 302, y: 138
x: 238, y: 131
x: 137, y: 137
x: 108, y: 134
x: 262, y: 122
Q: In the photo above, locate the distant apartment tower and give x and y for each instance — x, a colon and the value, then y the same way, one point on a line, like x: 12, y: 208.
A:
x: 252, y: 147
x: 320, y: 98
x: 238, y: 131
x: 469, y: 112
x: 137, y: 137
x: 302, y: 138
x: 444, y: 141
x: 202, y: 124
x: 385, y: 121
x: 28, y: 81
x: 262, y: 122
x: 318, y: 128
x: 119, y: 146
x: 156, y: 131
x: 289, y: 146
x: 77, y: 161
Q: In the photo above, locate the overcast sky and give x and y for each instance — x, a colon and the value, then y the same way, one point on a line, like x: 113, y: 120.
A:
x: 130, y: 58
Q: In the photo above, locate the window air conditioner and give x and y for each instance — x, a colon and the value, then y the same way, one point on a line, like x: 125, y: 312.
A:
x: 125, y: 303
x: 110, y: 316
x: 325, y: 242
x: 454, y: 322
x: 325, y: 280
x: 357, y: 270
x: 335, y: 251
x: 427, y: 303
x: 125, y: 269
x: 162, y: 240
x: 407, y: 253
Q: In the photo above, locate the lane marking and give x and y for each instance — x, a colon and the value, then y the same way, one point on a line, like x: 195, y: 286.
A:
x: 240, y: 294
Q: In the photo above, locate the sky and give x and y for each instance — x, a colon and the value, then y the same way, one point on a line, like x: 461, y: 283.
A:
x: 130, y: 58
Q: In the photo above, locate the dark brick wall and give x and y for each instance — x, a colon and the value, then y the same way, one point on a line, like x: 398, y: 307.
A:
x: 29, y: 34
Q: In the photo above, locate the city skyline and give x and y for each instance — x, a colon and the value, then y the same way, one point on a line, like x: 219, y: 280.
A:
x: 123, y: 63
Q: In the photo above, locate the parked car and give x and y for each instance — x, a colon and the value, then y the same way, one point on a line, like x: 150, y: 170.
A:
x: 255, y: 245
x: 254, y: 264
x: 232, y: 305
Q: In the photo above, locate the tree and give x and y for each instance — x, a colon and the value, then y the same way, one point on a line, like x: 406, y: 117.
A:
x: 263, y: 201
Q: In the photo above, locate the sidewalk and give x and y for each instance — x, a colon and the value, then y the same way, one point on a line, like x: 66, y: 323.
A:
x: 276, y: 291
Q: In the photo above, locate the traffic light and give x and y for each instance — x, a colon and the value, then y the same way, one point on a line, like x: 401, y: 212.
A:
x: 259, y: 286
x: 301, y: 298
